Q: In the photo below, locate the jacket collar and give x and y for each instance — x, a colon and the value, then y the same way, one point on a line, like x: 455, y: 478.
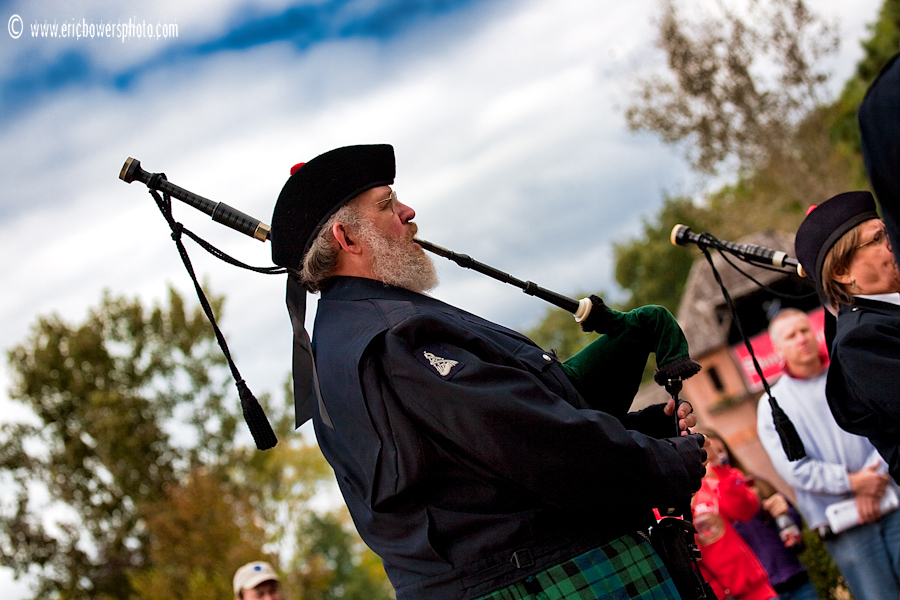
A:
x: 893, y: 298
x: 343, y: 288
x: 362, y: 288
x: 885, y: 308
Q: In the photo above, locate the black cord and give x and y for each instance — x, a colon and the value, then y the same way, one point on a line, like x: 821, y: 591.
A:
x: 764, y: 286
x: 230, y: 260
x: 790, y: 440
x: 253, y: 413
x: 737, y: 321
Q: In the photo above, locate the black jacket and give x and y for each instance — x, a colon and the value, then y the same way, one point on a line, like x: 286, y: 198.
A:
x: 467, y: 459
x: 863, y: 386
x: 864, y: 378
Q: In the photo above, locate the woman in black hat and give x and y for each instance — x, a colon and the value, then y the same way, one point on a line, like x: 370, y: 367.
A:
x: 842, y: 244
x: 843, y: 247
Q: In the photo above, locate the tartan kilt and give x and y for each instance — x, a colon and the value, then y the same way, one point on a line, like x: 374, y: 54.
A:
x: 627, y: 567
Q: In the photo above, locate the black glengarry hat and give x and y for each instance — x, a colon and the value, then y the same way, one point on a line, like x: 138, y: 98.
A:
x: 317, y: 189
x: 825, y: 224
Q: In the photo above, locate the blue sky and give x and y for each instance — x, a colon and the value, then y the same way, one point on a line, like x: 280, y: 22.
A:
x: 506, y: 117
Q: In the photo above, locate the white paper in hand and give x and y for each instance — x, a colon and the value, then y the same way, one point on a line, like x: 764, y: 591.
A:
x: 844, y: 515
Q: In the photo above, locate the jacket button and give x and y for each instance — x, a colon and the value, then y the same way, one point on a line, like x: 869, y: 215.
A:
x: 547, y: 357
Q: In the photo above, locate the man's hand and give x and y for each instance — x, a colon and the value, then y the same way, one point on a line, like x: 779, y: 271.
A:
x: 868, y: 508
x: 775, y: 505
x: 869, y: 482
x: 686, y: 416
x: 868, y: 485
x: 692, y: 450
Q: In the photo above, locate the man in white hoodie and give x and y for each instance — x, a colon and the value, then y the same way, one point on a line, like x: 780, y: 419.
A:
x: 838, y: 465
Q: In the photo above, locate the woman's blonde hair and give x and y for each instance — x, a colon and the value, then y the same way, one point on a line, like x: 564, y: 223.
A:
x: 836, y: 263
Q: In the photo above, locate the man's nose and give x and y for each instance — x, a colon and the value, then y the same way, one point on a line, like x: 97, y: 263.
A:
x: 405, y: 212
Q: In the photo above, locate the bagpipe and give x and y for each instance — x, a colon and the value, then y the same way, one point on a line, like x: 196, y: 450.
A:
x: 607, y: 372
x: 751, y: 253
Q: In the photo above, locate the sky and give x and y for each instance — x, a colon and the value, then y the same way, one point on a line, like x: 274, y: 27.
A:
x: 507, y: 119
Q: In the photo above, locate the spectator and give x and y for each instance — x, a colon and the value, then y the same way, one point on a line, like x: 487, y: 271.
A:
x: 845, y: 245
x: 257, y: 581
x: 863, y: 279
x: 838, y: 465
x: 774, y: 535
x: 727, y: 562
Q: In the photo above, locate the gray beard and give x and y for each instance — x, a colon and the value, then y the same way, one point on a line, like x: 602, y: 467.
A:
x: 397, y: 262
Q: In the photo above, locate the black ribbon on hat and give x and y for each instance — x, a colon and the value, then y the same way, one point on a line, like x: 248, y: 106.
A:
x: 307, y: 395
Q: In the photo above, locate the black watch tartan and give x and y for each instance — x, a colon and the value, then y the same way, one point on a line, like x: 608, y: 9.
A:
x: 626, y: 567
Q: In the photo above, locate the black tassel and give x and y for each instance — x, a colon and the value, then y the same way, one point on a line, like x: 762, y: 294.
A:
x: 790, y: 439
x: 681, y: 368
x: 256, y: 418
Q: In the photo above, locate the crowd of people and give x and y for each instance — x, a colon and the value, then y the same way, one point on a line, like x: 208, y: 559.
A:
x: 749, y: 533
x: 842, y: 402
x: 477, y: 465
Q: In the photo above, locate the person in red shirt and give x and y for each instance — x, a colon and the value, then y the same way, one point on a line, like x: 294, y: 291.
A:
x: 727, y: 562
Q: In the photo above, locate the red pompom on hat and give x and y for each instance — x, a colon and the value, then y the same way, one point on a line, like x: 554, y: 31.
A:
x: 296, y: 167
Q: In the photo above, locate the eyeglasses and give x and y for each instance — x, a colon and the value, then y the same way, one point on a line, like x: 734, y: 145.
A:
x: 879, y: 238
x: 390, y: 200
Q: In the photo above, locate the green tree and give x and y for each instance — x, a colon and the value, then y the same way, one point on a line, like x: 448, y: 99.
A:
x: 104, y: 394
x: 882, y: 44
x: 335, y: 563
x: 652, y: 269
x: 197, y: 535
x: 129, y: 484
x: 738, y: 83
x: 744, y: 91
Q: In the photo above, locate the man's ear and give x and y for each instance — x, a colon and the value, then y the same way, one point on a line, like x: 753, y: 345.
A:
x: 345, y: 238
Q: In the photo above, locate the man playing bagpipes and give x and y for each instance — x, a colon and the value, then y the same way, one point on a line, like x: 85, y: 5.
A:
x: 474, y: 463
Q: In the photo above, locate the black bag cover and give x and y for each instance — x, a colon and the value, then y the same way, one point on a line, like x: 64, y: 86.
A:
x: 673, y: 540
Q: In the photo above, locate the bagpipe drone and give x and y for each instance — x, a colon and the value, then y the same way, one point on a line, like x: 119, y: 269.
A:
x: 766, y: 258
